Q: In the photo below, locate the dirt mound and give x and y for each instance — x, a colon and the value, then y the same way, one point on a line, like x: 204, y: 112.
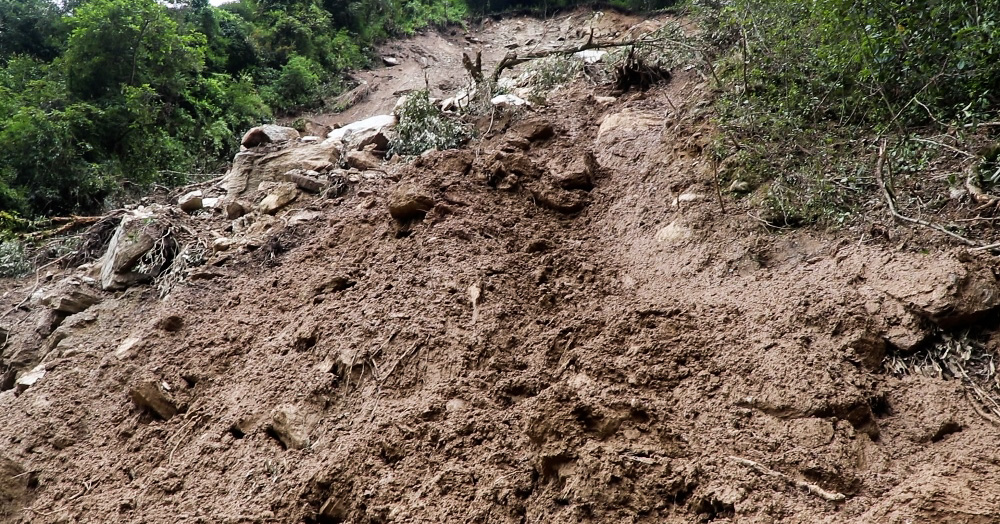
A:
x: 568, y: 328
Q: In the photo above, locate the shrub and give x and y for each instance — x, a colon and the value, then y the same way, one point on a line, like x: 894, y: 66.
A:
x: 14, y: 261
x: 423, y: 127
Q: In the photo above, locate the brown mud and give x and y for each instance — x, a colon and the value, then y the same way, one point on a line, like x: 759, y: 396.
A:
x: 555, y: 341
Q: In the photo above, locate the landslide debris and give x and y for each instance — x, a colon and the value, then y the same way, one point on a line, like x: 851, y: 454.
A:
x: 555, y: 323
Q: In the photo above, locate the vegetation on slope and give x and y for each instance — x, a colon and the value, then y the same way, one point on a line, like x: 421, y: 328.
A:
x: 810, y: 88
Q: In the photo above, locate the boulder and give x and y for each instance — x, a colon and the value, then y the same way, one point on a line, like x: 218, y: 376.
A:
x: 268, y: 133
x: 355, y: 134
x: 149, y: 396
x: 16, y: 490
x: 409, y: 201
x: 280, y: 196
x: 618, y: 127
x: 191, y: 202
x: 140, y: 233
x: 362, y: 160
x: 952, y: 292
x: 70, y: 296
x: 250, y: 168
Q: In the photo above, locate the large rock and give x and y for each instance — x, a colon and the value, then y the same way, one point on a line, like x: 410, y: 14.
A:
x: 950, y: 291
x: 70, y: 296
x: 250, y: 168
x: 142, y: 232
x: 409, y: 201
x: 15, y: 491
x: 268, y: 133
x: 191, y: 202
x: 280, y: 196
x: 628, y: 123
x: 362, y: 133
x: 362, y: 160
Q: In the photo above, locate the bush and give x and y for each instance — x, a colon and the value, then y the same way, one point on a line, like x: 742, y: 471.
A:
x: 423, y: 127
x: 14, y: 261
x: 297, y: 85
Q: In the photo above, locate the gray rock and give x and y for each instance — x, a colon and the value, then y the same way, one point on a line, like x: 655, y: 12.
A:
x: 70, y: 296
x: 191, y: 202
x: 138, y: 234
x: 390, y: 61
x: 288, y: 427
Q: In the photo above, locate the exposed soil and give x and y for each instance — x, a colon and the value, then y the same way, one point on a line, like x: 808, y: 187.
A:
x: 542, y: 346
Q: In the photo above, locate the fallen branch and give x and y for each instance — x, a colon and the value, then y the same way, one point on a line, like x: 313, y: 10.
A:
x: 811, y: 488
x: 891, y: 202
x: 68, y: 224
x: 512, y: 59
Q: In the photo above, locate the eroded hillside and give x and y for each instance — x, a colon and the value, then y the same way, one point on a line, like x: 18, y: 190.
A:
x: 555, y: 323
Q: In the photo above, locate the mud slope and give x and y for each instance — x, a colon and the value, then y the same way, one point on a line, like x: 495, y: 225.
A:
x: 543, y: 346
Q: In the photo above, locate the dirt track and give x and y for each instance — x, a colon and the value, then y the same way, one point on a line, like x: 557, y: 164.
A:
x: 504, y: 361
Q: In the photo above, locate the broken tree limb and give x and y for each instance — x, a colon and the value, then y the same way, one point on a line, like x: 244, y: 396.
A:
x: 513, y: 59
x: 830, y: 496
x: 891, y: 202
x: 68, y: 224
x: 475, y: 70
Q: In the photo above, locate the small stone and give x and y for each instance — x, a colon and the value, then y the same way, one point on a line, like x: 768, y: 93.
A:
x: 125, y: 349
x: 534, y: 130
x: 390, y: 61
x: 739, y: 187
x: 281, y: 195
x: 191, y: 202
x: 287, y: 427
x: 409, y: 201
x: 605, y: 100
x: 235, y: 209
x: 150, y: 397
x: 222, y: 244
x: 304, y: 181
x: 29, y: 379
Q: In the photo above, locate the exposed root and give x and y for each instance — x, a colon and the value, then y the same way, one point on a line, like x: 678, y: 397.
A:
x: 811, y: 488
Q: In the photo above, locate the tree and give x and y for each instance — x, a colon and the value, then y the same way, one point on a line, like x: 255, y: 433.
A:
x: 118, y: 43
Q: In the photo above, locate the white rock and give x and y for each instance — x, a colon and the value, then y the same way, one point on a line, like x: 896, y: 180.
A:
x: 509, y: 100
x: 590, y: 56
x: 374, y: 123
x: 30, y: 378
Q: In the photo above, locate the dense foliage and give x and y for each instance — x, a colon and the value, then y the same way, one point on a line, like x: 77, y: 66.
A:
x: 100, y: 98
x: 805, y: 82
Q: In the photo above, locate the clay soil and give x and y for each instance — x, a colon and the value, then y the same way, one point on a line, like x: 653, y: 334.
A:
x: 510, y: 360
